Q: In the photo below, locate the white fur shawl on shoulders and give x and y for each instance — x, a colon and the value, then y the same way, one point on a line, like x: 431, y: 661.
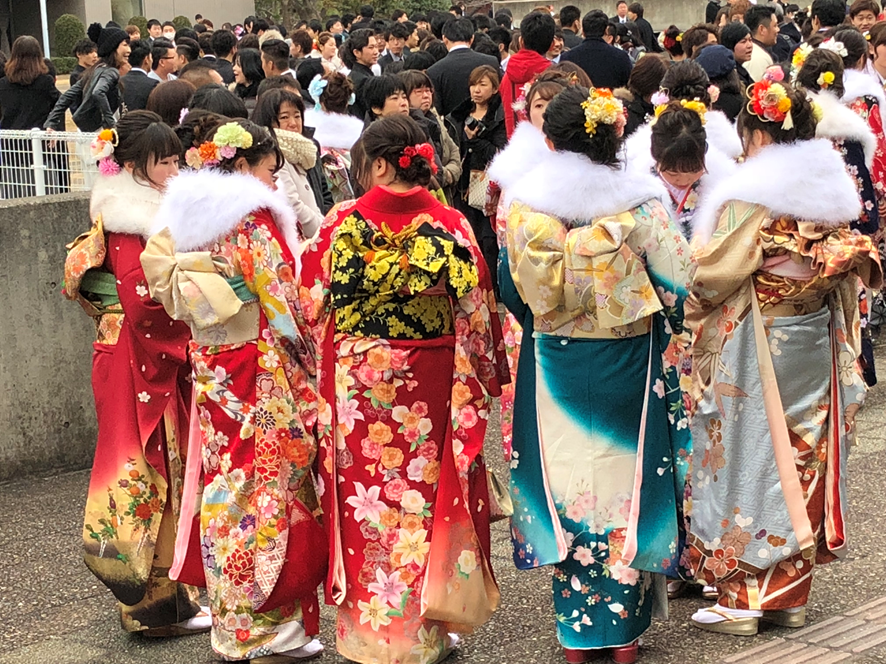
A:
x: 806, y: 180
x: 125, y: 205
x: 857, y: 83
x: 526, y: 148
x: 334, y: 130
x: 839, y: 122
x: 572, y: 188
x: 201, y: 207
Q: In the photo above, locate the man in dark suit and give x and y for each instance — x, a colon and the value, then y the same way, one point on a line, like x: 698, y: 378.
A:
x: 136, y: 84
x: 364, y: 19
x: 450, y: 75
x: 224, y: 43
x: 359, y: 53
x: 570, y: 21
x: 395, y: 35
x: 608, y: 66
x: 647, y: 36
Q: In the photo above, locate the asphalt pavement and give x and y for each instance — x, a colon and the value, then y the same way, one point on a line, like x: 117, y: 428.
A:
x: 52, y: 610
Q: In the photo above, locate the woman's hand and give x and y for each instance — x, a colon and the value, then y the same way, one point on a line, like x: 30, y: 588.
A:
x: 472, y: 133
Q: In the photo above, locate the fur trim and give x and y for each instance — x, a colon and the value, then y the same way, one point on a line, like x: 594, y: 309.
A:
x: 840, y: 123
x: 860, y: 84
x: 126, y: 206
x: 334, y: 130
x: 525, y: 149
x: 201, y: 207
x: 297, y: 149
x: 722, y: 134
x: 571, y: 187
x: 806, y: 180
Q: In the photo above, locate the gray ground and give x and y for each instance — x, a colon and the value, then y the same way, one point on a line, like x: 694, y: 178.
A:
x: 53, y: 610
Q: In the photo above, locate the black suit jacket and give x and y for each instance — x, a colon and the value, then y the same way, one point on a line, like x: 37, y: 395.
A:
x: 387, y: 59
x: 136, y: 89
x: 359, y: 75
x: 647, y: 36
x: 608, y: 66
x: 451, y: 74
x: 570, y: 39
x: 224, y: 68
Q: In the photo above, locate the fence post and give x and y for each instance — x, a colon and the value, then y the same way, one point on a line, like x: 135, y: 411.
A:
x: 39, y: 167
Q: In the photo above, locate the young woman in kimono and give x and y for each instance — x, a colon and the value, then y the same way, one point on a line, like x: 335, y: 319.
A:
x: 140, y: 380
x: 596, y: 257
x: 681, y: 157
x: 409, y: 355
x: 225, y: 261
x: 822, y: 77
x: 774, y: 310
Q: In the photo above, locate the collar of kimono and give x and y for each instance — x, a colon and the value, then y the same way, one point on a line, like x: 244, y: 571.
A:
x: 806, y: 180
x: 384, y: 199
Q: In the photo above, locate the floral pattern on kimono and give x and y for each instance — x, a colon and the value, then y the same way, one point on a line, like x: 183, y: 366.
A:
x: 604, y: 292
x: 257, y: 409
x: 403, y: 481
x: 784, y: 495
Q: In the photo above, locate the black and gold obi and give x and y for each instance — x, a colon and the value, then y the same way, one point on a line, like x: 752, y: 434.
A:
x: 388, y: 285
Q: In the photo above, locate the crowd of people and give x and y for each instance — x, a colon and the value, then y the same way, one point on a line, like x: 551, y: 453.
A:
x: 299, y: 244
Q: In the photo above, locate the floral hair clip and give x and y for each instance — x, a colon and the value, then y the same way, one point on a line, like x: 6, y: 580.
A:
x: 770, y: 102
x: 713, y: 93
x: 825, y: 79
x: 835, y: 46
x: 315, y: 89
x: 694, y: 105
x: 424, y: 150
x: 228, y: 139
x: 602, y: 108
x: 103, y: 150
x: 660, y: 98
x: 799, y: 59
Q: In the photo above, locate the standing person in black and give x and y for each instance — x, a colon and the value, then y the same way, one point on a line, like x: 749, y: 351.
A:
x: 607, y: 66
x: 451, y: 74
x: 570, y: 20
x: 647, y: 36
x: 737, y: 38
x: 27, y: 95
x: 359, y: 53
x: 364, y: 20
x: 136, y: 84
x: 97, y: 93
x: 224, y: 43
x: 84, y: 51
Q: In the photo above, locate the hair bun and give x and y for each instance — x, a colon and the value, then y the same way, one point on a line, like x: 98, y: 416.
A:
x: 94, y: 32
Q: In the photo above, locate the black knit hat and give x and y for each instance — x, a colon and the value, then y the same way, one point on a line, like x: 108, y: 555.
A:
x: 107, y: 39
x: 716, y: 60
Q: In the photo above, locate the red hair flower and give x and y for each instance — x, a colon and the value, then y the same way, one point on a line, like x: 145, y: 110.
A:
x: 424, y: 150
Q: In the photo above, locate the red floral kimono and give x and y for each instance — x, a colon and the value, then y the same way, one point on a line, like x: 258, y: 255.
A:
x: 226, y: 265
x: 140, y: 380
x: 410, y: 354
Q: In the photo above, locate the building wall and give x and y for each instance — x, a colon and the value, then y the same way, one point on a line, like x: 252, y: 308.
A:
x: 231, y: 11
x: 660, y: 13
x: 47, y: 414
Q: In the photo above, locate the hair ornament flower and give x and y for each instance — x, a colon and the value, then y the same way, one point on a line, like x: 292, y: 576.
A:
x: 228, y: 139
x: 695, y: 105
x: 680, y: 37
x: 423, y: 150
x: 799, y: 59
x: 602, y: 108
x: 713, y: 93
x: 315, y: 89
x: 103, y: 145
x: 774, y: 74
x: 770, y: 102
x: 660, y: 98
x: 825, y: 79
x: 835, y: 46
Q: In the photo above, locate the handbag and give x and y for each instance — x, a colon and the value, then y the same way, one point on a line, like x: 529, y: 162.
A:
x: 500, y: 504
x: 477, y: 186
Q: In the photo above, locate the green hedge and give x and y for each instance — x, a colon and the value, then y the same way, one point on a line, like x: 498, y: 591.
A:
x: 142, y: 24
x: 182, y: 22
x: 64, y: 65
x: 68, y: 31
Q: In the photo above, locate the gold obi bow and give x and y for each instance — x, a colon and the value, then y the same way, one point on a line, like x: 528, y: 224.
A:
x: 604, y: 278
x: 191, y: 289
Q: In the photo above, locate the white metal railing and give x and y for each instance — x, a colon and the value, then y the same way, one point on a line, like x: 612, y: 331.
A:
x: 38, y: 163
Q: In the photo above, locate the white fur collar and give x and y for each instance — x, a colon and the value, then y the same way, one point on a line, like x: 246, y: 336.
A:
x: 841, y: 123
x: 126, y: 206
x: 571, y: 187
x: 806, y: 180
x: 857, y: 84
x: 722, y: 134
x: 334, y: 130
x: 525, y: 149
x: 203, y: 206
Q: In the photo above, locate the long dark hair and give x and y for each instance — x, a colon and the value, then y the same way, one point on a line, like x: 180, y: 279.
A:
x: 249, y: 61
x: 26, y: 61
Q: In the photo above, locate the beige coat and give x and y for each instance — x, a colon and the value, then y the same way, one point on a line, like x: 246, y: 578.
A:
x: 292, y: 179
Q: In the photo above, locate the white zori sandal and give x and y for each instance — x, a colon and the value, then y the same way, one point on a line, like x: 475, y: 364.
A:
x: 723, y: 620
